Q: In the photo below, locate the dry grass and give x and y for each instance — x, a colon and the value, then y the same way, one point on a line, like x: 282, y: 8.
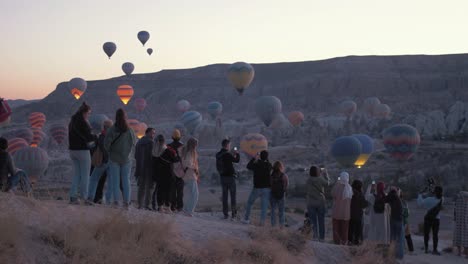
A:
x: 371, y: 253
x: 11, y: 238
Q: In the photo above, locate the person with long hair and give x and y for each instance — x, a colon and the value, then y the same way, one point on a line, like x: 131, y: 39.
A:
x: 316, y: 202
x: 358, y: 204
x: 406, y: 226
x: 177, y: 191
x: 342, y: 193
x: 379, y: 214
x: 433, y: 205
x: 80, y: 141
x: 163, y: 158
x: 279, y: 186
x: 119, y: 142
x: 192, y: 175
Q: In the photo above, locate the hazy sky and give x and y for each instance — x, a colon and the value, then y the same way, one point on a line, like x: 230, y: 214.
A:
x: 44, y: 42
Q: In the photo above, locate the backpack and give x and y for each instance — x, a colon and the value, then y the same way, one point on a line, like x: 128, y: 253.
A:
x: 220, y: 163
x: 277, y: 186
x: 379, y: 205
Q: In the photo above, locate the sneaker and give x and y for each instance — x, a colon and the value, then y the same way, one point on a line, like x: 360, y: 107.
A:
x: 74, y: 201
x: 245, y: 221
x: 148, y: 208
x: 126, y: 205
x: 435, y: 252
x: 225, y: 217
x: 89, y: 203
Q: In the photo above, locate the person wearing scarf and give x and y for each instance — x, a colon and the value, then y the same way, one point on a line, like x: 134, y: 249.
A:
x: 342, y: 193
x: 379, y: 222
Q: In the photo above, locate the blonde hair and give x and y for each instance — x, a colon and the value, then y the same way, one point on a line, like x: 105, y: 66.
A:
x: 190, y: 147
x: 278, y: 166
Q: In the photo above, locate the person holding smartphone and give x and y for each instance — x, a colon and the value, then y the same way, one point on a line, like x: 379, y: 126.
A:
x: 316, y: 202
x: 225, y: 160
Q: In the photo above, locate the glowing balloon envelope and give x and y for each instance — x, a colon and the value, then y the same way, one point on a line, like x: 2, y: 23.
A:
x: 401, y: 141
x: 77, y: 87
x: 296, y: 118
x: 367, y: 145
x: 215, y: 109
x: 141, y: 130
x: 128, y: 68
x: 109, y: 48
x: 140, y: 104
x: 346, y: 150
x: 125, y: 92
x: 143, y: 36
x: 267, y: 108
x: 348, y: 108
x: 241, y: 74
x: 58, y: 132
x: 38, y: 136
x: 5, y: 112
x: 16, y: 144
x: 37, y: 119
x: 183, y: 106
x: 32, y: 160
x: 149, y: 51
x: 253, y: 143
x: 191, y: 120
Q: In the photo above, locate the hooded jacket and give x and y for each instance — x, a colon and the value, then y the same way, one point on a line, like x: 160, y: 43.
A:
x: 228, y: 159
x: 262, y: 171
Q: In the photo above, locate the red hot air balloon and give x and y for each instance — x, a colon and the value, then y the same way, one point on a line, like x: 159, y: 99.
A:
x: 37, y: 119
x: 32, y: 160
x: 296, y: 118
x: 125, y: 92
x: 16, y: 144
x: 401, y: 141
x: 140, y: 104
x: 58, y: 132
x: 38, y: 136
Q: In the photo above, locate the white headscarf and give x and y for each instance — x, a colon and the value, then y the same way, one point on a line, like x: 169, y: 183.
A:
x: 347, y: 190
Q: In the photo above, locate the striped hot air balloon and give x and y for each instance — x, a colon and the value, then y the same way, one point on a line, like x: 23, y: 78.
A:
x: 38, y: 136
x: 5, y: 112
x: 191, y: 120
x: 37, y: 119
x: 16, y: 144
x: 241, y: 74
x: 183, y: 106
x: 58, y: 132
x: 125, y: 92
x: 346, y: 150
x: 32, y: 160
x: 140, y: 104
x: 215, y: 109
x: 77, y: 87
x: 296, y: 118
x: 348, y: 108
x: 401, y: 141
x: 24, y: 133
x: 253, y: 143
x: 134, y: 124
x: 367, y: 149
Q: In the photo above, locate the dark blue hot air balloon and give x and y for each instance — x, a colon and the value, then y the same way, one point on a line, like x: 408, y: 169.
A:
x: 346, y: 150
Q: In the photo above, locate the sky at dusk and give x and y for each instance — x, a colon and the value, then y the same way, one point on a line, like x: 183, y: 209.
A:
x: 49, y: 41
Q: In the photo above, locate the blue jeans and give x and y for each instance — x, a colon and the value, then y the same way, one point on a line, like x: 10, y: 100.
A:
x: 117, y: 172
x: 264, y: 193
x: 317, y: 219
x: 280, y: 204
x: 81, y: 166
x: 397, y: 236
x: 14, y: 180
x: 94, y: 179
x: 190, y: 195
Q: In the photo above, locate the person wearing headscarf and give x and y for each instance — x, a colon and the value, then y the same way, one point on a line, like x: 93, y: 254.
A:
x: 379, y: 214
x: 460, y: 234
x: 342, y: 193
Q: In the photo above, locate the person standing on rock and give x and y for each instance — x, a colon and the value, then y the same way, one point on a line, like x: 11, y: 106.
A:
x: 358, y: 204
x: 163, y: 158
x: 379, y: 214
x: 178, y: 187
x: 191, y: 177
x: 279, y: 186
x: 433, y: 205
x: 342, y: 193
x: 119, y: 142
x: 316, y: 202
x: 261, y: 168
x: 225, y: 160
x: 144, y: 168
x: 80, y: 141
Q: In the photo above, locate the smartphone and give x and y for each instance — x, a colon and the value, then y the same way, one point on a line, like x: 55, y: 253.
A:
x: 339, y: 178
x: 235, y: 148
x: 373, y: 182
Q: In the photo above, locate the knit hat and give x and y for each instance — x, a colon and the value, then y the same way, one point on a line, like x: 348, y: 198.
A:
x: 176, y: 134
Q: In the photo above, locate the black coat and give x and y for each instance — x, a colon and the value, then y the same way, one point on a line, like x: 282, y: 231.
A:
x: 79, y: 133
x: 163, y: 172
x: 395, y: 205
x: 143, y: 155
x: 358, y: 204
x: 262, y: 171
x: 227, y: 160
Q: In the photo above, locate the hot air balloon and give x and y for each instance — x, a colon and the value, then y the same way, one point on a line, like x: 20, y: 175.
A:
x: 149, y: 51
x: 280, y: 122
x: 348, y: 108
x: 215, y: 109
x: 77, y: 87
x: 191, y: 120
x: 5, y: 112
x: 251, y: 144
x: 140, y: 104
x: 267, y: 108
x: 240, y: 74
x: 24, y: 133
x: 133, y: 124
x: 141, y: 130
x: 401, y: 141
x: 109, y: 48
x: 367, y: 145
x: 143, y: 36
x: 296, y: 118
x: 382, y: 111
x: 370, y: 104
x: 128, y: 68
x: 346, y: 150
x: 183, y: 106
x: 32, y: 160
x: 125, y: 92
x: 97, y: 120
x: 37, y: 119
x: 16, y: 144
x: 58, y: 132
x: 38, y: 136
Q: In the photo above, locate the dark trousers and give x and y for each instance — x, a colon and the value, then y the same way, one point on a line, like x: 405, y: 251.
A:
x: 100, y: 187
x: 178, y: 194
x: 431, y: 224
x: 355, y: 231
x: 228, y: 184
x: 145, y: 190
x: 340, y: 231
x: 164, y: 191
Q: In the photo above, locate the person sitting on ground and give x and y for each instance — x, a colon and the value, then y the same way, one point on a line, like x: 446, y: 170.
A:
x: 225, y: 160
x: 261, y: 168
x: 358, y: 204
x: 144, y: 168
x: 316, y: 202
x: 342, y: 193
x: 279, y: 186
x: 433, y: 205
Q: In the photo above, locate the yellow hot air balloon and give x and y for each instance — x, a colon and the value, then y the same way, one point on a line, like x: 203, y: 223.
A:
x: 77, y: 87
x: 125, y: 92
x: 251, y: 144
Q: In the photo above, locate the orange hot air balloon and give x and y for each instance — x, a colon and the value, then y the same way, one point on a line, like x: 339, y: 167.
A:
x: 125, y: 92
x: 37, y: 119
x: 16, y: 144
x: 296, y: 118
x: 38, y: 136
x: 77, y: 87
x: 251, y: 144
x: 141, y: 130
